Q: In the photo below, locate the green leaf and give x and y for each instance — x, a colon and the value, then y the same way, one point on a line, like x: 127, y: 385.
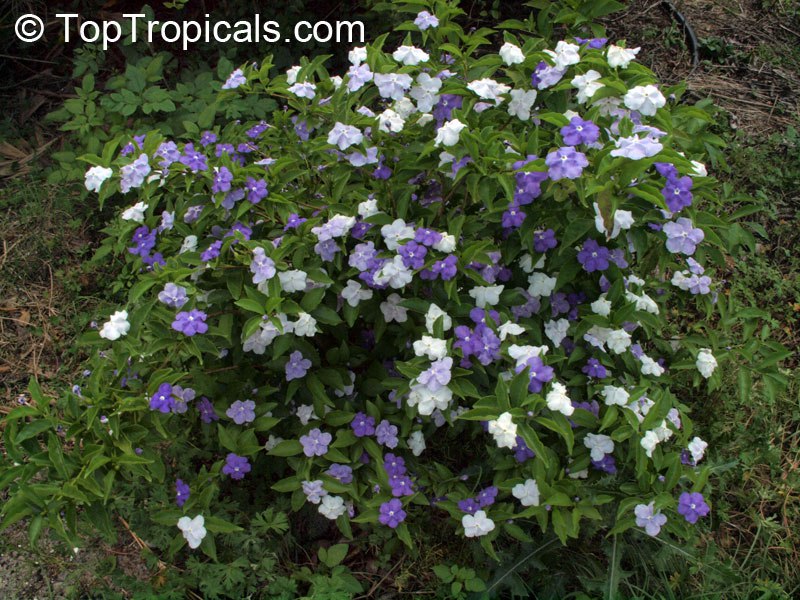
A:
x: 287, y: 448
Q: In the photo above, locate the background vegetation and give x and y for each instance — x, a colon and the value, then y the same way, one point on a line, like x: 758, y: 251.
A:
x: 749, y: 53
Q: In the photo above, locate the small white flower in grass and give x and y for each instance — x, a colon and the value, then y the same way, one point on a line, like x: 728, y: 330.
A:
x: 446, y: 244
x: 618, y: 341
x: 390, y: 121
x: 521, y: 103
x: 619, y: 57
x: 404, y: 108
x: 511, y: 54
x: 332, y: 507
x: 649, y: 443
x: 135, y: 213
x: 427, y: 401
x: 504, y: 431
x: 354, y: 293
x: 305, y: 412
x: 447, y: 134
x: 521, y: 354
x: 95, y: 178
x: 291, y: 74
x: 509, y: 328
x: 477, y: 525
x: 305, y: 326
x: 565, y: 54
x: 193, y: 530
x: 556, y: 331
x: 489, y: 89
x: 698, y: 449
x: 646, y: 99
x: 314, y: 491
x: 486, y: 295
x: 643, y: 302
x: 116, y: 326
x: 539, y: 284
x: 698, y: 169
x: 189, y: 244
x: 431, y: 347
x: 396, y: 233
x: 706, y: 363
x: 587, y: 85
x: 615, y: 395
x: 558, y: 400
x: 599, y: 445
x: 293, y: 280
x: 410, y: 55
x: 343, y: 136
x: 357, y: 55
x: 527, y: 493
x: 337, y: 82
x: 416, y: 442
x: 392, y: 311
x: 650, y: 366
x: 368, y: 208
x: 271, y: 442
x: 304, y: 89
x: 601, y: 306
x: 433, y: 314
x: 394, y: 273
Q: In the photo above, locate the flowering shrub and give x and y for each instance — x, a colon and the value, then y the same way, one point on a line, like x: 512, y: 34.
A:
x: 435, y: 287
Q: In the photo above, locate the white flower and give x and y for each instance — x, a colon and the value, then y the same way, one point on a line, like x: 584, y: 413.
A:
x: 599, y: 445
x: 410, y: 55
x: 368, y: 208
x: 392, y: 311
x: 116, y: 326
x: 271, y: 442
x: 404, y: 108
x: 305, y: 326
x: 305, y: 412
x: 487, y: 294
x: 357, y: 55
x: 432, y: 347
x: 521, y: 103
x: 425, y: 93
x: 314, y: 491
x: 291, y: 74
x: 434, y: 312
x: 189, y: 244
x: 447, y: 244
x: 447, y: 134
x: 706, y: 363
x: 332, y: 507
x: 650, y: 366
x: 304, y: 89
x: 527, y: 493
x: 649, y: 443
x: 556, y: 330
x: 416, y: 442
x: 390, y: 121
x: 135, y: 213
x: 511, y: 54
x: 557, y: 399
x: 343, y: 136
x: 354, y: 293
x: 623, y: 220
x: 643, y: 302
x: 601, y: 306
x: 427, y: 401
x: 337, y: 82
x: 521, y: 354
x: 698, y: 449
x: 395, y: 233
x: 646, y: 99
x: 508, y: 328
x: 394, y: 273
x: 587, y: 85
x: 488, y: 89
x: 615, y: 395
x: 620, y: 57
x: 95, y: 178
x: 618, y: 341
x: 504, y: 431
x: 698, y: 169
x: 193, y: 530
x: 392, y: 85
x: 541, y: 285
x: 477, y: 525
x: 293, y: 280
x: 565, y: 54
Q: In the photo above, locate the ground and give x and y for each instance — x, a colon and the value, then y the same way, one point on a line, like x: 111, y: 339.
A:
x: 749, y: 63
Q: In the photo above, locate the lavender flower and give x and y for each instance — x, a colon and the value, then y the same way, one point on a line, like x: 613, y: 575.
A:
x: 191, y: 322
x: 649, y: 518
x: 392, y: 513
x: 242, y: 412
x: 173, y: 295
x: 236, y: 466
x: 182, y: 492
x: 362, y: 425
x: 593, y: 257
x: 566, y: 163
x: 692, y: 506
x: 206, y: 409
x: 682, y: 236
x: 297, y: 367
x: 315, y: 443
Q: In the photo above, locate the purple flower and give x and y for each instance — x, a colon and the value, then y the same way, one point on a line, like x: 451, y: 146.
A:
x: 677, y: 193
x: 649, y: 518
x: 143, y: 240
x: 682, y: 236
x: 487, y: 496
x: 467, y: 341
x: 607, y: 464
x: 413, y: 254
x: 315, y: 443
x: 294, y: 221
x: 394, y: 465
x: 392, y: 513
x: 211, y: 252
x: 206, y: 409
x: 427, y: 237
x: 341, y: 472
x: 256, y: 190
x: 544, y: 240
x: 437, y: 375
x: 195, y: 160
x: 208, y: 138
x: 546, y: 76
x: 386, y: 434
x: 447, y: 268
x: 580, y: 132
x: 262, y: 266
x: 222, y: 180
x: 401, y: 485
x: 181, y: 398
x: 539, y: 374
x: 528, y: 184
x: 521, y: 451
x: 692, y: 506
x: 168, y: 152
x: 162, y: 400
x: 426, y: 20
x: 566, y: 162
x: 236, y: 466
x: 594, y: 368
x: 297, y: 367
x: 593, y: 256
x: 191, y: 322
x: 445, y: 107
x: 173, y: 295
x: 636, y: 147
x: 513, y: 217
x: 469, y: 506
x: 183, y: 492
x: 327, y: 249
x: 362, y: 425
x: 242, y: 412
